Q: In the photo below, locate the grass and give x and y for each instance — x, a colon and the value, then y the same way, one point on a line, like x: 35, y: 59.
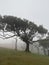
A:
x: 13, y: 57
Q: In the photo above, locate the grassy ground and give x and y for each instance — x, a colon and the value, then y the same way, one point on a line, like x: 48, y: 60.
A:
x: 12, y: 57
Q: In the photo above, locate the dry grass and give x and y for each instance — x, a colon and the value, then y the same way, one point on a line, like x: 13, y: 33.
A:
x: 12, y: 57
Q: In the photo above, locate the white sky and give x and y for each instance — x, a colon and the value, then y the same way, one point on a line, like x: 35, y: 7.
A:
x: 34, y: 10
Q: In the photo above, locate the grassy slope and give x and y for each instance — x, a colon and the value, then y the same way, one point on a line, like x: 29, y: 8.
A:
x: 12, y: 57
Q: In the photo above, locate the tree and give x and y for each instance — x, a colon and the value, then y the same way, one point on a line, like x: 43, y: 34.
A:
x: 15, y: 24
x: 42, y: 30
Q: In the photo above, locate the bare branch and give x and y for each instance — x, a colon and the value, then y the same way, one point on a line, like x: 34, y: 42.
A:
x: 2, y: 38
x: 9, y: 37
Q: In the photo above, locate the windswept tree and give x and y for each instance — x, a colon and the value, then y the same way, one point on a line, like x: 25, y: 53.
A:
x: 27, y: 28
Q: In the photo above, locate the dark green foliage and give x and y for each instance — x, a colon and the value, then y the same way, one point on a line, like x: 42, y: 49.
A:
x: 18, y: 23
x: 42, y: 30
x: 15, y: 24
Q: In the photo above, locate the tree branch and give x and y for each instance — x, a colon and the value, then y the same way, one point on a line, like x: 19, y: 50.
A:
x: 1, y: 37
x: 9, y: 37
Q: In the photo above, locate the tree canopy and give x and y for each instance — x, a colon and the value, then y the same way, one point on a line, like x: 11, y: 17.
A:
x: 11, y: 23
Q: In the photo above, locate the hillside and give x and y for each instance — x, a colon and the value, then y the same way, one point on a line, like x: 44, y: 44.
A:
x: 13, y: 57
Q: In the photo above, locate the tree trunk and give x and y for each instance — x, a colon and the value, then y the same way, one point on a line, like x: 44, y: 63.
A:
x: 16, y: 44
x: 44, y: 51
x: 27, y: 47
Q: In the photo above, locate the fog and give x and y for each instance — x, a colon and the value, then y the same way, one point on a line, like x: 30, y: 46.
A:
x: 16, y: 43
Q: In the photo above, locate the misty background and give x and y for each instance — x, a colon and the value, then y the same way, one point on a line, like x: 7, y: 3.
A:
x: 36, y: 11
